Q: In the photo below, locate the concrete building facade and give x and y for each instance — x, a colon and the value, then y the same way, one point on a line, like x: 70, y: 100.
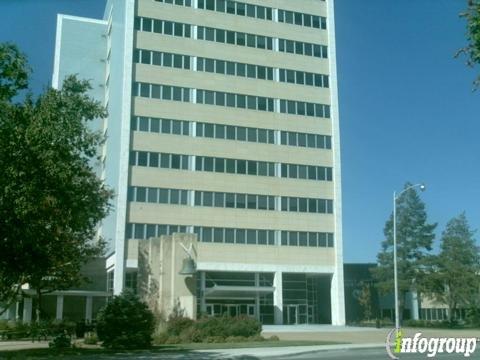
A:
x: 223, y: 122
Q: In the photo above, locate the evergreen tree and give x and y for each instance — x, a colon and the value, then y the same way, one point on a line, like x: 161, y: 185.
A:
x: 414, y: 240
x: 453, y: 276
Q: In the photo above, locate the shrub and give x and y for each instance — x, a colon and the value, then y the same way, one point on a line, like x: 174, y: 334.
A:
x: 244, y: 326
x: 173, y: 340
x: 214, y: 339
x: 234, y: 339
x: 3, y: 325
x: 57, y: 327
x: 256, y: 338
x: 473, y: 316
x: 274, y: 338
x: 125, y: 323
x: 191, y: 335
x: 91, y: 339
x: 176, y: 325
x: 431, y: 324
x: 160, y: 338
x: 61, y: 341
x: 229, y: 326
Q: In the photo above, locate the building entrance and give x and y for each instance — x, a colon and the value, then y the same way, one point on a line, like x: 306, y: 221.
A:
x: 298, y: 314
x: 292, y: 314
x: 231, y: 309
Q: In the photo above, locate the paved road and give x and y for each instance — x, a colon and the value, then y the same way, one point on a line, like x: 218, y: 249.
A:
x: 352, y: 354
x: 370, y: 354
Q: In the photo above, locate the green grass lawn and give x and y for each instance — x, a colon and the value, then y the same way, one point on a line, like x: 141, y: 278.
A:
x: 54, y: 354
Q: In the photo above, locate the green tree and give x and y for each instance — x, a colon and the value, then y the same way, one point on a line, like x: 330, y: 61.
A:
x: 50, y: 197
x: 414, y: 241
x: 472, y: 50
x: 365, y: 299
x: 125, y: 323
x: 453, y: 276
x: 14, y: 71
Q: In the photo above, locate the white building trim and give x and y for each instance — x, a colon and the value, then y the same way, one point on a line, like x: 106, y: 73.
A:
x: 337, y: 289
x: 118, y: 280
x: 242, y: 267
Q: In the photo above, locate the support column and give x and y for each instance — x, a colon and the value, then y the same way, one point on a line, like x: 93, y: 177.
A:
x: 337, y: 296
x: 11, y: 312
x: 415, y: 307
x: 257, y: 297
x: 203, y: 304
x: 88, y: 309
x: 59, y: 313
x: 17, y: 311
x: 278, y: 298
x: 27, y: 310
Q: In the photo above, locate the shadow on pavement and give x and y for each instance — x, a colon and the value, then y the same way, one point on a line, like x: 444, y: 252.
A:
x: 93, y: 354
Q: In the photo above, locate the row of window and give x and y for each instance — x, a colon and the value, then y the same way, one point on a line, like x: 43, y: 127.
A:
x: 161, y: 160
x: 163, y: 27
x: 297, y: 18
x: 309, y: 172
x: 296, y: 204
x: 305, y: 140
x: 303, y: 78
x: 164, y: 92
x: 228, y: 200
x: 230, y: 132
x: 255, y: 11
x: 303, y: 238
x: 146, y: 231
x: 239, y: 133
x: 186, y: 3
x: 234, y: 38
x: 302, y: 48
x: 220, y: 98
x: 161, y: 59
x: 232, y: 200
x: 164, y: 126
x: 261, y: 42
x: 233, y: 236
x: 234, y: 166
x: 230, y: 166
x: 237, y: 8
x: 230, y: 37
x: 442, y: 314
x: 234, y: 68
x: 305, y: 109
x: 157, y: 195
x: 230, y: 68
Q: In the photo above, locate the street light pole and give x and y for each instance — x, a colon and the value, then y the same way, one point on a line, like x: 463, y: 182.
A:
x: 395, y: 270
x: 395, y: 267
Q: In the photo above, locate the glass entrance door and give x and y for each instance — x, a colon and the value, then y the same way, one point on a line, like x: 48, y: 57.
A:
x: 292, y: 314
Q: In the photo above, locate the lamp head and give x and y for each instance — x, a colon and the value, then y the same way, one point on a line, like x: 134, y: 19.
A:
x: 422, y: 187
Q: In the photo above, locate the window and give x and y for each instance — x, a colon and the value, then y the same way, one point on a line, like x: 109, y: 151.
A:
x: 240, y: 39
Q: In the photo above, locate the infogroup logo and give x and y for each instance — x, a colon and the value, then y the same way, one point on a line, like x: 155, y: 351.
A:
x: 397, y: 344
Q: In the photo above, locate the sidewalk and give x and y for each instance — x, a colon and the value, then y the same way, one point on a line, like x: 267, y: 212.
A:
x: 22, y: 345
x: 328, y: 333
x: 286, y: 351
x: 355, y: 335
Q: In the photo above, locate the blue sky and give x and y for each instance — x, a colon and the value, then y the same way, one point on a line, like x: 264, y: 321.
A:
x: 406, y: 105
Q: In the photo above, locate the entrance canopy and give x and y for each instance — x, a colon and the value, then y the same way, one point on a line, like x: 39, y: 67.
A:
x: 237, y: 292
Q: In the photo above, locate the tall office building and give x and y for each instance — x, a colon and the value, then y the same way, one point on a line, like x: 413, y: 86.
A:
x: 223, y: 122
